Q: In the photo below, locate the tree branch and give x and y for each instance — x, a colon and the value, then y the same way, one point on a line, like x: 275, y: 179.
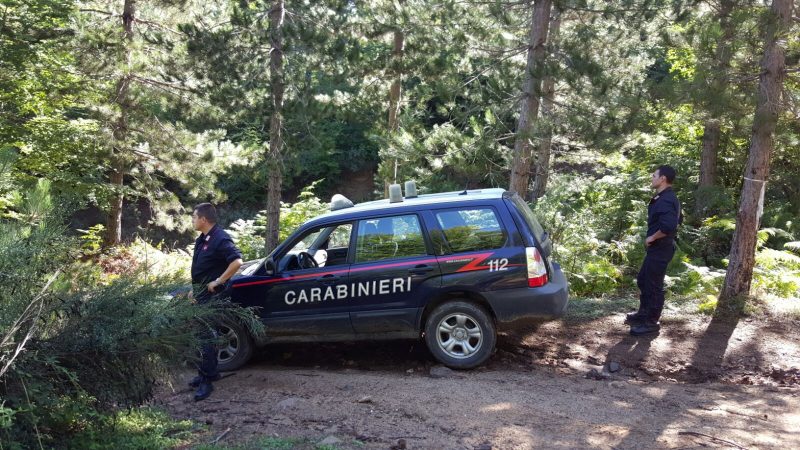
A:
x: 157, y: 25
x: 98, y: 11
x: 160, y: 83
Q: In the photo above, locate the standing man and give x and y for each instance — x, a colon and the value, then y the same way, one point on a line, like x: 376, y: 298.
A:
x: 663, y: 217
x: 215, y: 260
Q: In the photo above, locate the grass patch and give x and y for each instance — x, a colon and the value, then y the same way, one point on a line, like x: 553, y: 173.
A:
x: 584, y: 309
x: 142, y: 428
x: 270, y: 443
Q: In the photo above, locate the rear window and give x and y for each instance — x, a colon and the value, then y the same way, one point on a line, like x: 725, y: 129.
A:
x: 472, y: 229
x: 530, y: 219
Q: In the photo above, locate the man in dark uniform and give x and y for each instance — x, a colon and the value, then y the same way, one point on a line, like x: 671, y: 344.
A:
x: 663, y: 217
x: 215, y: 260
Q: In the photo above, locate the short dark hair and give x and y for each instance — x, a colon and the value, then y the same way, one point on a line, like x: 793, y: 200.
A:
x: 207, y: 211
x: 668, y: 172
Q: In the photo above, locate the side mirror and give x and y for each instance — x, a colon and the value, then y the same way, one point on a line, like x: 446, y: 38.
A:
x: 270, y: 266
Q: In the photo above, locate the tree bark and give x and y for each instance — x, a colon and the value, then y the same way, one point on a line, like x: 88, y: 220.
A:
x: 394, y: 100
x: 712, y: 126
x: 274, y: 154
x: 531, y: 91
x: 120, y: 133
x: 708, y: 158
x: 742, y: 256
x: 542, y: 171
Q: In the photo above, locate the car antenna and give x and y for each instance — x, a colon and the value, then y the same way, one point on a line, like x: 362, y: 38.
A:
x: 466, y: 185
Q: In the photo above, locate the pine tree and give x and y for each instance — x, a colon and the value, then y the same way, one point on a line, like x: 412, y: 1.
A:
x: 274, y: 157
x: 718, y: 85
x: 542, y: 162
x: 751, y: 203
x: 129, y: 53
x: 531, y: 97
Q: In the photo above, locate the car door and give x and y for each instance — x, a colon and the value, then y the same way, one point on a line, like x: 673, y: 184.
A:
x: 393, y: 271
x: 300, y: 299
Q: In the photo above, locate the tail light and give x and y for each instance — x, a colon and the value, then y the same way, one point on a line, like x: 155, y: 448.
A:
x: 537, y: 271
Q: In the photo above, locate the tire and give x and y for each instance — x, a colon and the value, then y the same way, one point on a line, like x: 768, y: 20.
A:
x: 237, y: 346
x: 471, y: 337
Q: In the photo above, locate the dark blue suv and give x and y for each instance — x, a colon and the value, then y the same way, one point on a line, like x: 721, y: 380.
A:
x: 452, y: 268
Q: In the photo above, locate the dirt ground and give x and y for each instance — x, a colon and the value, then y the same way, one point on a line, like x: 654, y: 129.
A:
x: 570, y: 384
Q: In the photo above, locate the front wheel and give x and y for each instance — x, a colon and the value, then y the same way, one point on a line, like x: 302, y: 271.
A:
x: 460, y: 335
x: 235, y: 348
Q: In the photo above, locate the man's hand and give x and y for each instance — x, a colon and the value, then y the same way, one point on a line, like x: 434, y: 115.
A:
x: 232, y: 268
x: 212, y: 287
x: 654, y: 237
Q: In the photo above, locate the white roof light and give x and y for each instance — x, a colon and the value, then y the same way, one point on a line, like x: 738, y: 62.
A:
x: 339, y: 201
x: 395, y: 195
x: 411, y: 189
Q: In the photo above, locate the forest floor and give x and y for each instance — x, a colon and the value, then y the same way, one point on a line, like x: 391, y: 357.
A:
x: 579, y: 382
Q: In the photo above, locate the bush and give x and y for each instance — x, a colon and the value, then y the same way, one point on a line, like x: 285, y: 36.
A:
x: 777, y: 272
x: 134, y: 429
x: 597, y: 234
x: 709, y: 306
x: 249, y: 234
x: 73, y: 351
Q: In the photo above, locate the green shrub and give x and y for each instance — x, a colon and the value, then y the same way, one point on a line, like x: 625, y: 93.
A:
x: 249, y: 234
x: 595, y: 278
x: 72, y: 349
x: 777, y: 272
x: 138, y: 428
x: 708, y: 306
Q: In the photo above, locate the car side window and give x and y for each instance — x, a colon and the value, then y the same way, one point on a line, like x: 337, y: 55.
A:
x: 472, y: 229
x: 327, y: 245
x: 340, y: 237
x: 389, y: 237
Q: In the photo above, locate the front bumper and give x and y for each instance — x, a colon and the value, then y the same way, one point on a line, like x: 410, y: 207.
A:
x: 548, y: 302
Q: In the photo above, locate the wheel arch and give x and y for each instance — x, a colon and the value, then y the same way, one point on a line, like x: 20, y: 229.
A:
x: 458, y: 294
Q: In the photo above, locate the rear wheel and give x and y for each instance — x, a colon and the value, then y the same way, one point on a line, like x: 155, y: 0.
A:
x: 460, y: 335
x: 235, y: 348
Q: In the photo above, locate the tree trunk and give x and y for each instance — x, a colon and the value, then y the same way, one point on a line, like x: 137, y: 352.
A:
x: 742, y: 256
x: 708, y: 158
x: 274, y: 155
x: 542, y: 171
x: 120, y: 133
x: 711, y: 129
x: 529, y: 104
x: 394, y: 100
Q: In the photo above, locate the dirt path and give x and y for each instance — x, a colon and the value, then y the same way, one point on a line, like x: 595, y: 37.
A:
x: 699, y: 383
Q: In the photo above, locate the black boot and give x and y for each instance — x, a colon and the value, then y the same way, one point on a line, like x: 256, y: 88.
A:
x: 635, y: 318
x: 203, y: 391
x: 645, y: 327
x: 199, y: 379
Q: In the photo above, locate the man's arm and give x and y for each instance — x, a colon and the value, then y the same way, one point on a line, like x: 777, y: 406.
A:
x: 668, y: 217
x: 232, y: 268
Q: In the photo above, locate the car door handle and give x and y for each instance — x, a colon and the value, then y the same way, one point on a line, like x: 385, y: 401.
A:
x: 420, y: 269
x: 328, y: 279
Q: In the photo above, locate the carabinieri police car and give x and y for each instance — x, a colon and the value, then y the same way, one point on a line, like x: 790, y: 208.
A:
x: 450, y: 268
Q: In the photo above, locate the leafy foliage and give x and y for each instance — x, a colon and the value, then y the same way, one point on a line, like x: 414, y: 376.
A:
x: 71, y: 350
x: 249, y: 233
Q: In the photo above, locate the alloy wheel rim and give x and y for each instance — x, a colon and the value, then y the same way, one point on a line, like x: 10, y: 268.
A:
x: 230, y: 344
x: 459, y: 335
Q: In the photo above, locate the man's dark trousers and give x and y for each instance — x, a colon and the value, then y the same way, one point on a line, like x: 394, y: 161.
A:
x: 208, y: 351
x: 651, y: 278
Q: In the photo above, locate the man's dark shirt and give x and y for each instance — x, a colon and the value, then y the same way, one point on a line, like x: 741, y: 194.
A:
x: 663, y: 213
x: 213, y: 252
